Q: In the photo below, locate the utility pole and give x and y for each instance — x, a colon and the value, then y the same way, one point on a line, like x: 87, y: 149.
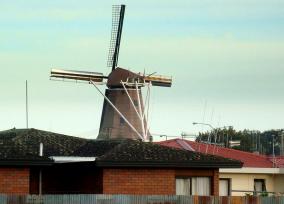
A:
x: 227, y: 141
x: 273, y: 154
x: 282, y: 143
x: 256, y: 140
x: 27, y: 110
x: 259, y: 141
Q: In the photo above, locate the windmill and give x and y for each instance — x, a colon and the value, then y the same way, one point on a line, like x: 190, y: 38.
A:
x: 124, y: 113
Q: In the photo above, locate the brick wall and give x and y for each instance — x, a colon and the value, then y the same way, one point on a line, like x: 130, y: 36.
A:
x: 215, y: 185
x: 138, y: 181
x: 14, y: 180
x: 151, y: 181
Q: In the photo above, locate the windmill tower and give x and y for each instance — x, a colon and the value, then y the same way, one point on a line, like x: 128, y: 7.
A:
x: 123, y: 114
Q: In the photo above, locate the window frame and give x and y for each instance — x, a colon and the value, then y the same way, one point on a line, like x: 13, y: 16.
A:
x: 229, y: 185
x: 135, y: 102
x: 121, y: 121
x: 185, y: 177
x: 190, y: 178
x: 263, y: 185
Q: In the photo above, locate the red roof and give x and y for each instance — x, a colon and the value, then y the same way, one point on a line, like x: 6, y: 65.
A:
x: 277, y: 160
x: 248, y: 159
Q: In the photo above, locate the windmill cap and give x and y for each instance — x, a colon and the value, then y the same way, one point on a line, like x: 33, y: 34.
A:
x: 120, y: 74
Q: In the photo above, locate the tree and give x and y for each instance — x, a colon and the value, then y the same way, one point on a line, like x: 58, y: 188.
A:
x: 250, y: 140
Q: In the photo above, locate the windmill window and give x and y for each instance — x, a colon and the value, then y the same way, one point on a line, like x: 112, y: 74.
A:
x: 121, y: 121
x: 135, y: 102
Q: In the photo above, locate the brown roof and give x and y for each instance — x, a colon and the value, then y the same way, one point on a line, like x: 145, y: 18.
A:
x: 21, y: 144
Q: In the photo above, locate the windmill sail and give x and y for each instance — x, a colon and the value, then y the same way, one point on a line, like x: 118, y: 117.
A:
x: 77, y: 75
x: 117, y: 23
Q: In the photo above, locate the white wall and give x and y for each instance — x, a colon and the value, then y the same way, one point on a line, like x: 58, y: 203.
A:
x: 245, y: 182
x: 279, y: 183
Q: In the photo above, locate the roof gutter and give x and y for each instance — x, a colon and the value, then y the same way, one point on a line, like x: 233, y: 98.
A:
x: 26, y: 162
x: 169, y: 164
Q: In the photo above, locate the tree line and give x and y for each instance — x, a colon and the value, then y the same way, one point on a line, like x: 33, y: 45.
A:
x: 267, y: 142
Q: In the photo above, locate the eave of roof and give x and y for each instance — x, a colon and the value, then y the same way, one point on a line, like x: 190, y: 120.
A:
x: 252, y: 170
x: 26, y: 162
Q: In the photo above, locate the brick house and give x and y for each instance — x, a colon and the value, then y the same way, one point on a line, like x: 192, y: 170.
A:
x: 75, y: 165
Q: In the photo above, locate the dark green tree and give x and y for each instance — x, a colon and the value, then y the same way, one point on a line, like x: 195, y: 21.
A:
x: 265, y: 142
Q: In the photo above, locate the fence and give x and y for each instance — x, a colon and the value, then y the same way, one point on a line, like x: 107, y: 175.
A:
x: 136, y: 199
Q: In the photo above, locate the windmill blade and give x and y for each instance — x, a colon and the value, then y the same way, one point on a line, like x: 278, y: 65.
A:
x: 117, y: 23
x: 77, y: 75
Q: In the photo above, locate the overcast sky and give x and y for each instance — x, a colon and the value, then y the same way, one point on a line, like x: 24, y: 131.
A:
x: 226, y: 58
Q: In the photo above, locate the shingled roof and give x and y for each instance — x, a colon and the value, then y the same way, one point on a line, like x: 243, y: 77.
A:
x: 138, y: 153
x: 23, y: 145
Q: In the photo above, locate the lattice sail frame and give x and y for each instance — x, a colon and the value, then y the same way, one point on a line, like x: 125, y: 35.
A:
x: 116, y: 31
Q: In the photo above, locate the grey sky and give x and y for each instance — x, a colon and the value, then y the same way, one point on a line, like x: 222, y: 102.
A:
x: 228, y: 54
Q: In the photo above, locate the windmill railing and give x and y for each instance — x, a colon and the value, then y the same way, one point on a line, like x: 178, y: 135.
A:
x: 156, y: 80
x: 159, y: 80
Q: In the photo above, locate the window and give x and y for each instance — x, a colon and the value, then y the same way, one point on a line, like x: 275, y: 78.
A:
x: 193, y: 186
x: 135, y: 102
x: 121, y: 121
x: 183, y: 186
x: 224, y: 187
x: 259, y: 186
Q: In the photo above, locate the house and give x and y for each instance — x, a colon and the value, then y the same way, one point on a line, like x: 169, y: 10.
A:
x: 259, y: 173
x: 39, y: 162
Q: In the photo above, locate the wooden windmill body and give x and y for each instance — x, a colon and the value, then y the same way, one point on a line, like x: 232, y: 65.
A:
x: 123, y: 114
